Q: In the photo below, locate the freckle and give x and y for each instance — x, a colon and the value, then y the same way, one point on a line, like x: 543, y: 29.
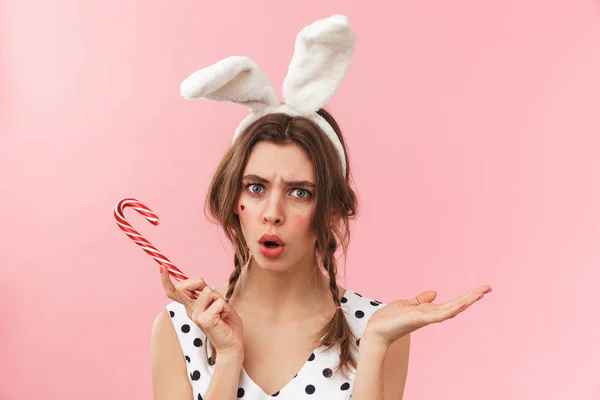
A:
x: 242, y: 207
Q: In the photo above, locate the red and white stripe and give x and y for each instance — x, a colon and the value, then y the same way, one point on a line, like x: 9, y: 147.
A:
x: 139, y: 239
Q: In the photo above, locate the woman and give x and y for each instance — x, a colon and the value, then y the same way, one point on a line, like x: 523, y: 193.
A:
x: 282, y: 326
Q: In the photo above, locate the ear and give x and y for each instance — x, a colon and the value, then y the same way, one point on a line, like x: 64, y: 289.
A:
x: 321, y: 57
x: 237, y: 79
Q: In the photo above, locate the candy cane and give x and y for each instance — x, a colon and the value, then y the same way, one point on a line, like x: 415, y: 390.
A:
x: 139, y: 239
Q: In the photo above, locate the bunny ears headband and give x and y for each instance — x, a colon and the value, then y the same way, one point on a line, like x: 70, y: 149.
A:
x: 321, y: 57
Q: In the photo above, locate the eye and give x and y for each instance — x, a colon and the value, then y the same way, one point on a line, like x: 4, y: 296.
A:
x: 305, y: 193
x: 256, y: 189
x: 250, y: 187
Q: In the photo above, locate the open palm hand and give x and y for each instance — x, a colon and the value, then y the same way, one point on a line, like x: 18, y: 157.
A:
x: 401, y: 317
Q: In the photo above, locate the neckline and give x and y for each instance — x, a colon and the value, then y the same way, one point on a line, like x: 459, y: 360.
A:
x: 302, y: 368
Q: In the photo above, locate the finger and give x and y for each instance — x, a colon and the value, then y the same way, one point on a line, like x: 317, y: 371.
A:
x: 440, y: 314
x: 212, y: 315
x: 483, y: 289
x: 210, y: 292
x: 425, y: 297
x: 452, y: 308
x: 174, y: 291
x: 458, y: 308
x: 192, y: 287
x: 204, y: 300
x: 216, y: 307
x: 167, y: 284
x: 190, y: 284
x: 214, y: 296
x: 468, y: 298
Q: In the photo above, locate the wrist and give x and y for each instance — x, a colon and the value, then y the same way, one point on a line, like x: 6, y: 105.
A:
x: 373, y: 344
x: 230, y: 358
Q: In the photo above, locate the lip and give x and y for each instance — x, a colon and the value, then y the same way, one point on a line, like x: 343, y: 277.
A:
x: 268, y: 237
x: 271, y: 252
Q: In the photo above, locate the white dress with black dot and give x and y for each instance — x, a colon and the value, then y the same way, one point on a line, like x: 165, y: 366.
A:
x: 314, y: 380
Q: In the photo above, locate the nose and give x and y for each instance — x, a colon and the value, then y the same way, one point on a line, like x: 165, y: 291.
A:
x: 272, y: 220
x: 273, y: 211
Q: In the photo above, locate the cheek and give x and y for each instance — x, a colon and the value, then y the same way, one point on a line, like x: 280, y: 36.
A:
x: 247, y: 212
x: 243, y: 213
x: 302, y: 223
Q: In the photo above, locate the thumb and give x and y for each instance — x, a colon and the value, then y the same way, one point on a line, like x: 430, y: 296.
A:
x: 424, y: 297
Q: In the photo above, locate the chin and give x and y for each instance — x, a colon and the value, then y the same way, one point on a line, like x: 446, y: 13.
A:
x: 278, y: 264
x: 269, y: 263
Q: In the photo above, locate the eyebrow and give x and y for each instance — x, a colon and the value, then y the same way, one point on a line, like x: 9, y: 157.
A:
x: 262, y: 180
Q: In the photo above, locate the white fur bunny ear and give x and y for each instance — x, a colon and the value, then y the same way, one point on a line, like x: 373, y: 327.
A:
x: 321, y: 57
x: 237, y: 79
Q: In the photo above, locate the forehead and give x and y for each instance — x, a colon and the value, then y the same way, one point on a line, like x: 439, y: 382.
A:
x: 287, y: 161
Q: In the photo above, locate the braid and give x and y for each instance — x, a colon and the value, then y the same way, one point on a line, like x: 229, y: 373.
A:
x: 338, y: 330
x: 332, y: 270
x: 233, y: 278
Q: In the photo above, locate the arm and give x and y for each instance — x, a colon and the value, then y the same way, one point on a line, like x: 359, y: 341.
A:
x: 392, y: 324
x: 225, y: 381
x: 381, y: 370
x: 169, y: 373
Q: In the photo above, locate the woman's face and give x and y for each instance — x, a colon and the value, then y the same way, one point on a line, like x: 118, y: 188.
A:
x: 278, y: 197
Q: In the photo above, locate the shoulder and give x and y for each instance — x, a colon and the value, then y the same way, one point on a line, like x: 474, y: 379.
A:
x: 162, y: 329
x: 183, y: 325
x: 360, y: 305
x: 358, y: 309
x: 164, y: 333
x: 169, y: 371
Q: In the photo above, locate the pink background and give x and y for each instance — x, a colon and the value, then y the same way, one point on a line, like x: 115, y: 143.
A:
x: 474, y: 133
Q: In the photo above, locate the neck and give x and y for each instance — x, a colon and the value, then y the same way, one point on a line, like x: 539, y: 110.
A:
x: 297, y: 290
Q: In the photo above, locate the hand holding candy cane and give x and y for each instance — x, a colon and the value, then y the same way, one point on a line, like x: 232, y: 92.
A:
x: 211, y: 312
x: 204, y: 305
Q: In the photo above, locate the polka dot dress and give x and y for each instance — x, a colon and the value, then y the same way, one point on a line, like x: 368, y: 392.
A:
x: 314, y: 380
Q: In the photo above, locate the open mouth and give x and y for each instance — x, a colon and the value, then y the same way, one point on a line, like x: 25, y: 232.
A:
x: 271, y: 249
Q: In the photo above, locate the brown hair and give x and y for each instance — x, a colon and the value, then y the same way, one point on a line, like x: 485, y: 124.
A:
x: 336, y: 203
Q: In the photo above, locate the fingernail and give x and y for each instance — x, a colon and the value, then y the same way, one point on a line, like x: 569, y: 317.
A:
x: 487, y: 291
x: 160, y: 268
x: 480, y: 297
